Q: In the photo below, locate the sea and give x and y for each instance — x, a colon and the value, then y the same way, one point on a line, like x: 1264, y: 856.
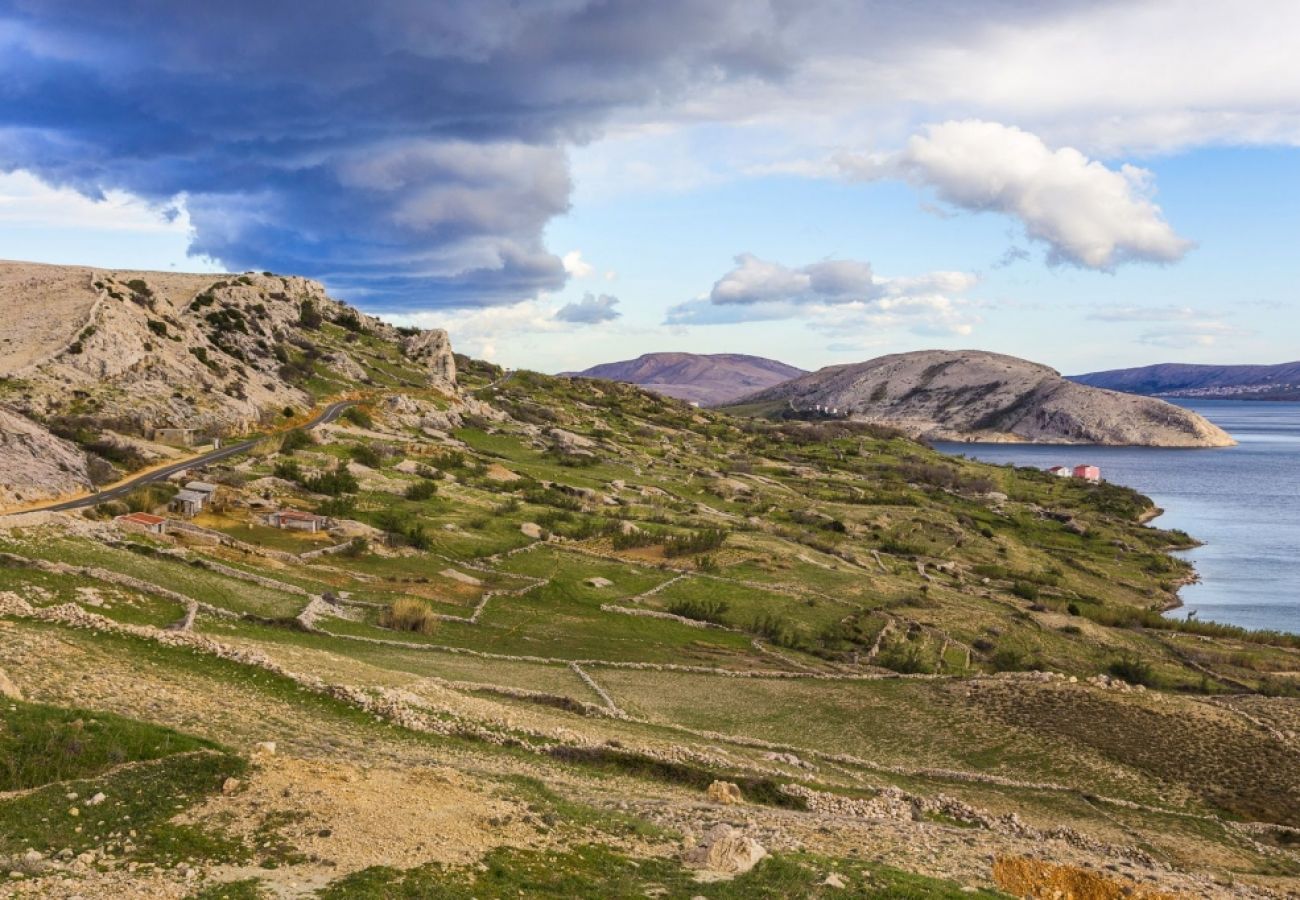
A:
x: 1242, y: 503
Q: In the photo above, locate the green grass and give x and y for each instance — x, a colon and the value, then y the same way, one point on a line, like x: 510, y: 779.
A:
x: 597, y: 871
x: 40, y: 744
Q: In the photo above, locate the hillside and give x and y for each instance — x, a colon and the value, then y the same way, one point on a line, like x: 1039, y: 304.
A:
x: 707, y: 379
x: 93, y: 363
x: 564, y: 638
x: 1279, y: 382
x: 974, y: 395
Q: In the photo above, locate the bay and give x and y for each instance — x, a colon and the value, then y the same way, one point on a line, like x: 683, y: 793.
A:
x: 1242, y: 503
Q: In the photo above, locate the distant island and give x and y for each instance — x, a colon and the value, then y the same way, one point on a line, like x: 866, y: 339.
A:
x: 974, y: 395
x: 708, y: 379
x: 1278, y: 382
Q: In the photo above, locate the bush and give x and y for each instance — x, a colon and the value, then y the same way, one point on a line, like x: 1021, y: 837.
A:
x: 409, y: 614
x: 1024, y: 590
x: 1134, y: 670
x: 358, y: 417
x: 367, y: 456
x: 289, y: 470
x: 337, y: 507
x: 296, y: 440
x: 695, y: 543
x: 339, y: 481
x: 700, y: 610
x: 309, y: 316
x: 421, y: 490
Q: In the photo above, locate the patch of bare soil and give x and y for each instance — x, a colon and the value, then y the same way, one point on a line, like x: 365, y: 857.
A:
x: 63, y: 296
x: 339, y: 818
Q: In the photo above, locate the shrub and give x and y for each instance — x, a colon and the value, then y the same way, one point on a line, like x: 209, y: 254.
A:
x: 367, y: 456
x: 409, y: 614
x: 339, y: 481
x: 309, y: 316
x: 695, y: 543
x: 296, y: 440
x: 289, y: 470
x: 337, y: 507
x: 1024, y: 590
x: 1134, y: 670
x: 356, y: 547
x: 421, y: 490
x: 358, y: 417
x: 700, y: 610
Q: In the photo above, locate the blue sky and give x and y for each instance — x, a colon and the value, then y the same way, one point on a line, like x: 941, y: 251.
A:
x: 1090, y: 185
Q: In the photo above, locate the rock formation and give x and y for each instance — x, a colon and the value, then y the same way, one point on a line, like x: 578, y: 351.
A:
x: 432, y: 348
x: 975, y: 395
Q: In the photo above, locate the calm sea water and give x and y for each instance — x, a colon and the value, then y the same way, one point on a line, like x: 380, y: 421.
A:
x: 1243, y: 502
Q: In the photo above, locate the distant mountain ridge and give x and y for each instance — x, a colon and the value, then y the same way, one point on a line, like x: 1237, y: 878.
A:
x: 1244, y: 382
x: 975, y: 395
x: 705, y: 378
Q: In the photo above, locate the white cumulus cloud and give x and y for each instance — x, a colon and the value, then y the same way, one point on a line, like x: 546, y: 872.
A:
x: 834, y: 296
x: 1086, y: 213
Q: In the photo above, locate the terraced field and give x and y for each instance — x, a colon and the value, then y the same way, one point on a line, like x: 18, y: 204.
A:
x: 549, y: 614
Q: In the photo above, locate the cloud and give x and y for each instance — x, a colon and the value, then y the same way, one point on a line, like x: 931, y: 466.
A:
x: 1088, y: 215
x: 1198, y: 334
x: 576, y: 266
x: 1115, y: 313
x: 831, y: 295
x: 408, y: 152
x: 590, y: 310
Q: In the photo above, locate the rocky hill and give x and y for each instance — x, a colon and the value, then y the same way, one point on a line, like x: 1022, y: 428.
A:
x: 561, y: 637
x: 707, y: 379
x: 94, y: 362
x: 1279, y: 382
x: 974, y: 395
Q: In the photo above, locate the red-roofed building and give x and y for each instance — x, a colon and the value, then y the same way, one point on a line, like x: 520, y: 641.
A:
x: 144, y: 522
x: 292, y: 518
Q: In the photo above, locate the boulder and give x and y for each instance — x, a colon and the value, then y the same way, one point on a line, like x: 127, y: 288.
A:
x: 8, y: 689
x: 598, y: 582
x: 531, y: 530
x: 725, y: 850
x: 726, y: 793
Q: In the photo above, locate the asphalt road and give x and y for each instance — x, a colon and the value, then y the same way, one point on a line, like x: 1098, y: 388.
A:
x: 328, y: 414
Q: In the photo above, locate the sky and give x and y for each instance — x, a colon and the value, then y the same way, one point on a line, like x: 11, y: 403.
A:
x: 560, y: 183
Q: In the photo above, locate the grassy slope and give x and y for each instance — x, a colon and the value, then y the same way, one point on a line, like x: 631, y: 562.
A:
x: 848, y: 553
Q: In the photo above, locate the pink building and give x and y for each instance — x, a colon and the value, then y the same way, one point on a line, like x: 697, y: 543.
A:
x: 1091, y: 473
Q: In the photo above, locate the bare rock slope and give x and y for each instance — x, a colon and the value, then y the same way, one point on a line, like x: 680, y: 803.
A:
x: 707, y: 379
x: 87, y: 352
x: 975, y: 395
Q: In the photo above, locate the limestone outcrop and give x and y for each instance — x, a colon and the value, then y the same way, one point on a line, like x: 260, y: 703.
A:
x: 961, y: 395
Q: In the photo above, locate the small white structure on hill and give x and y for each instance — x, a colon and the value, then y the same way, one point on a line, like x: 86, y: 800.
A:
x: 188, y: 503
x: 300, y: 521
x: 142, y: 522
x: 1060, y: 471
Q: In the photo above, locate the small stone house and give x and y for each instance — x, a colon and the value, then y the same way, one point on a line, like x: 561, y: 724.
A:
x: 1060, y: 471
x: 142, y: 522
x: 175, y: 437
x: 202, y: 487
x: 188, y: 503
x: 297, y: 520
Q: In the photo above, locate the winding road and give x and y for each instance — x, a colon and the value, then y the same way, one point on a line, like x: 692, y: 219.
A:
x: 327, y: 415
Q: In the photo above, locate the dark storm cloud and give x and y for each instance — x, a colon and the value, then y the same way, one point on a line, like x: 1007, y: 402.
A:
x: 402, y: 149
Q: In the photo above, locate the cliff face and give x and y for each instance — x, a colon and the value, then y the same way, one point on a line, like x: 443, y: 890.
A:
x: 974, y: 395
x: 707, y: 379
x: 35, y: 465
